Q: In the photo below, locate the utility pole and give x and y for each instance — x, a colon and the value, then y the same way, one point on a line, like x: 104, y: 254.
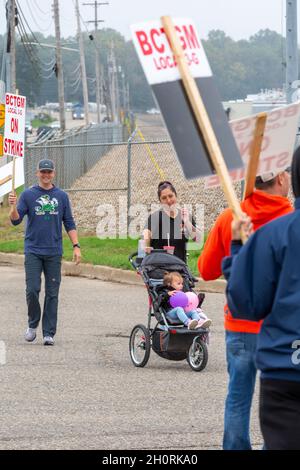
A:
x: 124, y: 104
x: 127, y: 98
x: 291, y: 48
x: 11, y: 85
x: 97, y: 66
x: 59, y: 69
x: 113, y: 85
x: 82, y: 68
x: 98, y: 85
x: 101, y: 87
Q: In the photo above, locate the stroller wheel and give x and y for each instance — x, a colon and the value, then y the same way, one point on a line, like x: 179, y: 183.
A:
x: 197, y: 355
x: 139, y: 345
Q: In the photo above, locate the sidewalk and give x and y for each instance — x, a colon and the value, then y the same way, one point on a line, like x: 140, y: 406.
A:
x: 106, y: 273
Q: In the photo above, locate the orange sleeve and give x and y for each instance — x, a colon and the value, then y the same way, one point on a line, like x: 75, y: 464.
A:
x: 216, y: 247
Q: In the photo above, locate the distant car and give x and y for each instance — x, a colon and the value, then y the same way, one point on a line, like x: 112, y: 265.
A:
x: 78, y: 113
x: 55, y: 125
x: 28, y: 127
x: 153, y: 111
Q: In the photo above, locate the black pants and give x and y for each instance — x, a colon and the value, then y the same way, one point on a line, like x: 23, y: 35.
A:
x: 279, y: 410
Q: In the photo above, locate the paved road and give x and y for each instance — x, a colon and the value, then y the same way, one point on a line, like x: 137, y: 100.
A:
x: 84, y: 393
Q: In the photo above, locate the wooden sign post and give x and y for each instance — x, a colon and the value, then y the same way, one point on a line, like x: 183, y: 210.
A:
x: 13, y: 183
x: 5, y: 180
x: 202, y: 119
x: 255, y: 150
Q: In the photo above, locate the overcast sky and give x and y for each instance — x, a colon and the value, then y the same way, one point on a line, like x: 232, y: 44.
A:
x: 238, y: 18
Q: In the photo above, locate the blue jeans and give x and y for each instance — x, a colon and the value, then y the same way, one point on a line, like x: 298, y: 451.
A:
x: 178, y: 313
x: 240, y: 354
x: 51, y: 267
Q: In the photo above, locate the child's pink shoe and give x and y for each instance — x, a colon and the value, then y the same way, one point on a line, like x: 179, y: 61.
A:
x: 192, y: 324
x: 204, y: 323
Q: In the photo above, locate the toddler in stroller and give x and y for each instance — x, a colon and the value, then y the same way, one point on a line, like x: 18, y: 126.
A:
x: 192, y: 318
x: 168, y: 338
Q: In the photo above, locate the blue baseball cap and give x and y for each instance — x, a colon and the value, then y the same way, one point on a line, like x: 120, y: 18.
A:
x: 46, y: 165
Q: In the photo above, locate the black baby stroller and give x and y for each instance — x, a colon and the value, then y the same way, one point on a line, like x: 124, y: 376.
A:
x: 170, y: 340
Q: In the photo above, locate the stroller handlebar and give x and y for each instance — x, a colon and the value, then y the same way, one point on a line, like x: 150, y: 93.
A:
x: 132, y: 260
x: 135, y: 261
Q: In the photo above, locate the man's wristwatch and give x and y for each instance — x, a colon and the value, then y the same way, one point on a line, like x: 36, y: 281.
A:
x: 76, y: 245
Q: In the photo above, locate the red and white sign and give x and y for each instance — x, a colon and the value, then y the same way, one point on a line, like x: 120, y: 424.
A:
x: 277, y: 146
x: 164, y: 77
x: 6, y: 172
x: 156, y: 56
x: 14, y: 130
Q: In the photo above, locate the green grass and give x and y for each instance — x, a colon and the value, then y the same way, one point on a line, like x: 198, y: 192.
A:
x: 36, y: 123
x: 112, y: 253
x: 194, y: 250
x: 105, y: 252
x: 7, y: 230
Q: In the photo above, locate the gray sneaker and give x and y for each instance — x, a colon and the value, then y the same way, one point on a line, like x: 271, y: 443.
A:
x: 30, y: 334
x: 48, y: 341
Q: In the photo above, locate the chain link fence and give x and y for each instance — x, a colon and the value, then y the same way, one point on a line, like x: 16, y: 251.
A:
x: 74, y: 152
x: 153, y: 161
x: 107, y: 175
x: 91, y: 165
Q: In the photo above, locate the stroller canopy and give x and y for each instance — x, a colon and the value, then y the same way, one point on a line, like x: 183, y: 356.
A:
x: 156, y: 264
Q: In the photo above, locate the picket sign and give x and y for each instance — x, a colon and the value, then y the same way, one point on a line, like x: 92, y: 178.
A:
x: 2, y: 120
x: 254, y: 154
x: 202, y: 119
x: 5, y: 180
x: 160, y: 65
x: 6, y: 176
x: 276, y: 140
x: 14, y: 130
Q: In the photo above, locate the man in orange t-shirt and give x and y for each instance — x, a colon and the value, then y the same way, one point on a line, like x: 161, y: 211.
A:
x: 266, y: 203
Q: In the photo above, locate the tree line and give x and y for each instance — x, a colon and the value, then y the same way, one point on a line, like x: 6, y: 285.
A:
x: 240, y: 67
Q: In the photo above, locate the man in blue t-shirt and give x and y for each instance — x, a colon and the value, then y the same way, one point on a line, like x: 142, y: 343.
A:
x: 47, y: 208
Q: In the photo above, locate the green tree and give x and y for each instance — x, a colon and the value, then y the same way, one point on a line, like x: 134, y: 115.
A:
x: 239, y: 67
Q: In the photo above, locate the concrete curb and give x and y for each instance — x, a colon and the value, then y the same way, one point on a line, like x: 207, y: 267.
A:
x: 106, y: 273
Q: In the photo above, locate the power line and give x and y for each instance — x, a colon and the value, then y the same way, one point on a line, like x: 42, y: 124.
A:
x: 24, y: 18
x: 74, y: 89
x: 77, y: 79
x: 97, y: 65
x: 31, y: 58
x: 46, y: 13
x: 48, y: 64
x: 21, y: 18
x: 23, y: 32
x: 34, y: 20
x: 31, y: 53
x: 34, y: 65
